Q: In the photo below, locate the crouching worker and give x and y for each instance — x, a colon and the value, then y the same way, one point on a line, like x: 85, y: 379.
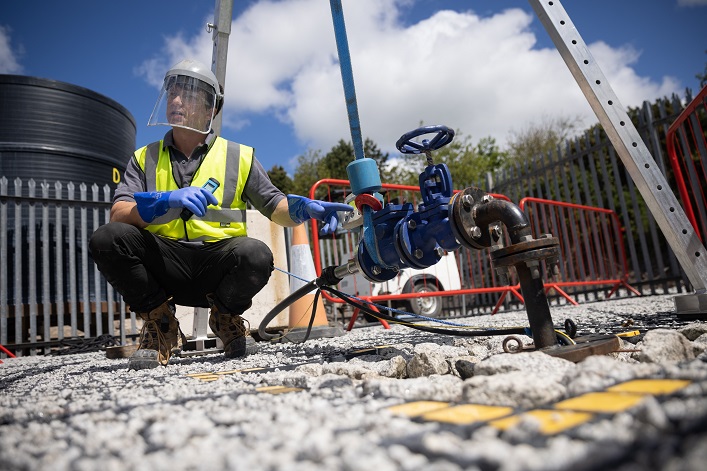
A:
x: 177, y: 231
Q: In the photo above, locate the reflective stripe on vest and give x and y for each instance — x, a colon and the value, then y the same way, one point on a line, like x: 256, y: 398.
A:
x: 226, y: 161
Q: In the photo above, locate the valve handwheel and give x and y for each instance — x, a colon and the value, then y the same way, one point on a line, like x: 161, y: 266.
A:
x: 406, y: 145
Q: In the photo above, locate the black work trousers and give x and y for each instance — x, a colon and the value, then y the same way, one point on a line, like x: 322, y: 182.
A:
x: 147, y: 269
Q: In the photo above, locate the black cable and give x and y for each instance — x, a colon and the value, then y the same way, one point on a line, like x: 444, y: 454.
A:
x: 314, y: 314
x: 85, y: 345
x: 321, y: 283
x: 434, y: 330
x: 282, y: 305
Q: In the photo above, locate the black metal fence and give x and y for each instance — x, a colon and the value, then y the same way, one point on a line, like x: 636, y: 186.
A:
x: 586, y: 171
x: 50, y: 288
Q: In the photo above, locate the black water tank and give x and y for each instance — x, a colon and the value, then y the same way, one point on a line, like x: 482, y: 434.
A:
x: 62, y: 132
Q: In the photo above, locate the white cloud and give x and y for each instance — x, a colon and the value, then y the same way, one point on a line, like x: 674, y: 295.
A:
x: 481, y: 75
x: 8, y: 60
x: 175, y: 49
x: 630, y: 88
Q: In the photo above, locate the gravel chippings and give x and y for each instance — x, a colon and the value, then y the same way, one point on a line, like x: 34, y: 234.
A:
x: 87, y: 412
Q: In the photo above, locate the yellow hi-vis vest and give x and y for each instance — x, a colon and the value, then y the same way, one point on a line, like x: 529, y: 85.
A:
x: 227, y: 162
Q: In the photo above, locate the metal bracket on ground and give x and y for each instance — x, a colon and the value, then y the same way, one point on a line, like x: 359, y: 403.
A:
x: 201, y: 343
x: 299, y: 334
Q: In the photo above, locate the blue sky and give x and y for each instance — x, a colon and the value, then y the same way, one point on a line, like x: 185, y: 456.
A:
x: 483, y: 67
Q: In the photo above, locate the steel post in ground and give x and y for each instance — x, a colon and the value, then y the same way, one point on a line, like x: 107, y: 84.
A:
x: 536, y: 305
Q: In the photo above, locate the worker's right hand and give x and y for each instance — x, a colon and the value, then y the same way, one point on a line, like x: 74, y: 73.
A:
x: 193, y: 198
x: 153, y: 204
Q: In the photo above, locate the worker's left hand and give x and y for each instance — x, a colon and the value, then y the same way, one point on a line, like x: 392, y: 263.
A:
x: 302, y: 209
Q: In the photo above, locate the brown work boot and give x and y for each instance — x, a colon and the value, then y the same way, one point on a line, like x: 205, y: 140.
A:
x: 232, y: 330
x: 160, y: 338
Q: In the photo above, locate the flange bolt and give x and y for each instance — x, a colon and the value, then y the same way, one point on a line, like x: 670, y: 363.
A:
x: 475, y: 232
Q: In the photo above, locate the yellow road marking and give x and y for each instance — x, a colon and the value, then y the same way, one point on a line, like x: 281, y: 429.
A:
x: 607, y: 402
x: 374, y: 349
x: 467, y: 414
x: 630, y: 333
x: 199, y: 375
x: 208, y: 378
x: 650, y: 386
x: 216, y: 374
x: 550, y: 421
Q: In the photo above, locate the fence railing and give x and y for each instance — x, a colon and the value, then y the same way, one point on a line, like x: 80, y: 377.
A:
x: 687, y: 151
x: 591, y: 245
x: 586, y: 171
x: 56, y: 291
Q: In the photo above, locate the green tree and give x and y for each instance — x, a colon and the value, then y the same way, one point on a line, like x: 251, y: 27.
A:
x: 703, y: 76
x: 313, y: 167
x: 333, y: 164
x: 280, y: 179
x: 306, y: 173
x: 371, y: 150
x: 541, y: 138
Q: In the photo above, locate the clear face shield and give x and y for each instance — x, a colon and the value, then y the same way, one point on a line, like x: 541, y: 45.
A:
x: 185, y: 102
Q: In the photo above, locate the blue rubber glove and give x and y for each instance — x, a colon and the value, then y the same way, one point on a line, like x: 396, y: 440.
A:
x: 153, y: 204
x: 193, y: 198
x: 302, y: 209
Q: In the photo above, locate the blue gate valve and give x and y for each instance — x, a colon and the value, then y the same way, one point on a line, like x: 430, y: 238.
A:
x: 397, y: 236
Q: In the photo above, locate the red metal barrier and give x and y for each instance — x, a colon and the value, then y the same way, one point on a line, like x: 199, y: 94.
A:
x: 591, y: 244
x: 7, y: 352
x: 687, y: 152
